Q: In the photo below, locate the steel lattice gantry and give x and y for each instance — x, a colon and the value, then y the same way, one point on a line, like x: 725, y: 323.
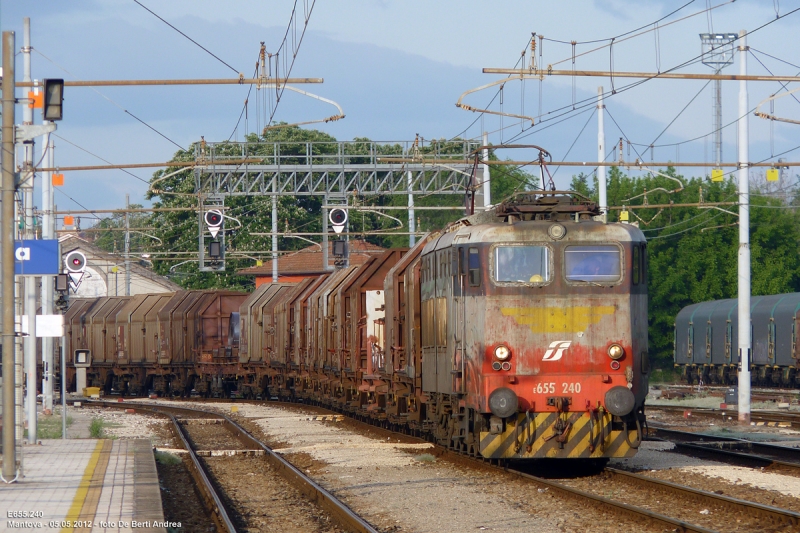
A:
x: 330, y: 169
x: 333, y: 170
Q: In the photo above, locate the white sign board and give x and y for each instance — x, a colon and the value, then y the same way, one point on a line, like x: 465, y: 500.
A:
x: 21, y: 324
x: 49, y: 325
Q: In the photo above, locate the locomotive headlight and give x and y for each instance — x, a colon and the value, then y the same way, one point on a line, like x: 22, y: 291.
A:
x: 502, y: 352
x: 615, y: 351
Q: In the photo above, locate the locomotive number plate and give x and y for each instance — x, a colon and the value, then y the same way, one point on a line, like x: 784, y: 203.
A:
x: 550, y: 388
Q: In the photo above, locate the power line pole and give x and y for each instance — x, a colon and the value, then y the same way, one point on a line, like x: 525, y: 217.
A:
x: 487, y: 184
x: 601, y: 155
x: 7, y: 247
x: 744, y: 240
x: 48, y: 288
x: 411, y: 214
x: 29, y: 292
x: 127, y: 247
x: 274, y: 230
x: 717, y: 50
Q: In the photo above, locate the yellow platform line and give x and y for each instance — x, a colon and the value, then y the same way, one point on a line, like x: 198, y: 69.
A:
x: 89, y: 488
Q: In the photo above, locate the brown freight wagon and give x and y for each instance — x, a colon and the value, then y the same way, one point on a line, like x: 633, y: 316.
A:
x: 123, y: 329
x: 101, y: 329
x: 169, y: 341
x: 402, y: 342
x: 320, y: 326
x: 275, y: 335
x: 303, y: 331
x: 211, y: 363
x: 252, y: 348
x: 286, y: 340
x: 360, y: 328
x: 250, y: 324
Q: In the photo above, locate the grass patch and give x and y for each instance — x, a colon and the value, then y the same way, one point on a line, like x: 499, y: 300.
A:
x: 49, y: 427
x: 425, y: 458
x: 166, y: 458
x: 96, y: 428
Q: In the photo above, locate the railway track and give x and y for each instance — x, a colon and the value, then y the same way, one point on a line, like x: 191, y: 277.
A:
x: 693, y: 501
x: 727, y: 513
x: 732, y: 450
x: 234, y: 443
x: 761, y: 418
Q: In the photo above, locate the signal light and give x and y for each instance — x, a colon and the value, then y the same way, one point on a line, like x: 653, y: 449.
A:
x: 213, y: 218
x: 75, y: 262
x: 53, y: 99
x: 338, y: 218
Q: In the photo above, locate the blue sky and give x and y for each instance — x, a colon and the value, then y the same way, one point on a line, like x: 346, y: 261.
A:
x: 397, y: 68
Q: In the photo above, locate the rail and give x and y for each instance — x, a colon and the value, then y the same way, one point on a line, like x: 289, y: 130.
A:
x: 337, y: 509
x: 749, y: 452
x: 751, y: 508
x: 620, y: 507
x: 213, y: 501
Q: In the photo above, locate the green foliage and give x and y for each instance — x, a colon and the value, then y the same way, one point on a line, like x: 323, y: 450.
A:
x: 96, y: 428
x: 166, y: 458
x: 692, y: 252
x: 113, y: 240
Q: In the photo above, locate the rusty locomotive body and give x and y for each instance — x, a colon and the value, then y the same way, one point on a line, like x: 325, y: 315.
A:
x: 517, y: 333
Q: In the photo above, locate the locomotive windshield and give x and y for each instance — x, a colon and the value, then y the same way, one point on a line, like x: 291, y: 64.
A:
x: 593, y: 263
x: 522, y: 264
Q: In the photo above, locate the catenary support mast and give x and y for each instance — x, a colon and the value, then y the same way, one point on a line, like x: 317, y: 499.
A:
x: 744, y: 240
x: 7, y: 247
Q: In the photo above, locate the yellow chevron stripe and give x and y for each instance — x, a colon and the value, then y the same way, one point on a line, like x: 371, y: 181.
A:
x: 581, y: 448
x: 511, y: 443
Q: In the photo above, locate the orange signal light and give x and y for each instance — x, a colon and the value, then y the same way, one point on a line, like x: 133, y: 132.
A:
x: 58, y: 180
x: 69, y: 220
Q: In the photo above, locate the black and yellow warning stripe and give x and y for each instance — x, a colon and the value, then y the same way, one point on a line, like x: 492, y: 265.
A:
x: 535, y: 431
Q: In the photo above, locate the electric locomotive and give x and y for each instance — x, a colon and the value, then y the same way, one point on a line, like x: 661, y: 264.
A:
x: 534, y: 331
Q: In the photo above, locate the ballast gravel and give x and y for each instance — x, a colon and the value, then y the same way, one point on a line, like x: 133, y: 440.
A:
x: 788, y: 485
x: 399, y: 486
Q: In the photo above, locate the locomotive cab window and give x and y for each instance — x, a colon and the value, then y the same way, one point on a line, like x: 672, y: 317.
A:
x: 596, y: 263
x: 474, y: 268
x: 522, y: 264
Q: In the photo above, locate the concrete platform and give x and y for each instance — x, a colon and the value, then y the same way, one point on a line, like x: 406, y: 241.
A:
x: 85, y: 486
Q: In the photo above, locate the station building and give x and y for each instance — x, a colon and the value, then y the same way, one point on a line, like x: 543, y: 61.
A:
x: 294, y: 267
x: 105, y: 272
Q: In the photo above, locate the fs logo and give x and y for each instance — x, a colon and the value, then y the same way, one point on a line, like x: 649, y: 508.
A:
x: 556, y: 350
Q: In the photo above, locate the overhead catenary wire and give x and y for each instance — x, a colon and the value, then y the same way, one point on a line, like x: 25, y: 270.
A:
x: 295, y: 48
x: 113, y: 102
x: 591, y: 100
x: 98, y: 157
x: 244, y: 107
x: 192, y: 40
x: 621, y: 35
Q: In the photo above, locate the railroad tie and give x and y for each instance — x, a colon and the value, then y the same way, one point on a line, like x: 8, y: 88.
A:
x: 228, y: 453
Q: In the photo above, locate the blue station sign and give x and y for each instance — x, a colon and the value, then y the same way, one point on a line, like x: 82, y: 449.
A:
x: 36, y: 257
